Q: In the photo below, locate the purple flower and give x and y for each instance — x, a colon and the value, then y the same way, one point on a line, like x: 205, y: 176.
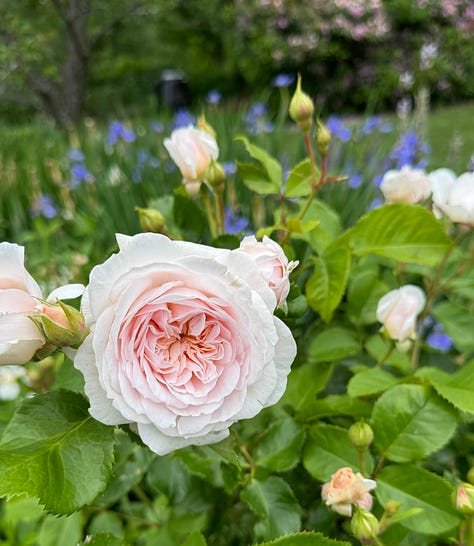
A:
x: 376, y: 203
x: 44, y: 206
x: 75, y: 155
x: 183, y: 118
x: 283, y: 80
x: 410, y: 151
x: 355, y: 180
x: 157, y: 126
x: 229, y: 167
x: 118, y: 131
x: 80, y: 173
x: 438, y: 339
x: 213, y: 97
x: 256, y: 121
x: 234, y: 223
x: 337, y: 128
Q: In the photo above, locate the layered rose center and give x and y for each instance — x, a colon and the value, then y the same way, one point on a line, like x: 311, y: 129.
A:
x: 183, y: 342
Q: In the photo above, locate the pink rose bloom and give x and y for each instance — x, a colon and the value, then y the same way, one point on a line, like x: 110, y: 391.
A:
x: 272, y: 264
x: 20, y: 298
x: 182, y: 342
x: 405, y: 186
x: 398, y: 310
x: 19, y: 293
x: 346, y: 489
x: 192, y: 150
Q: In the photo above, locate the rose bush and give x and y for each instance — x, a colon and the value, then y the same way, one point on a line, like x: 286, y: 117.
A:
x: 182, y: 343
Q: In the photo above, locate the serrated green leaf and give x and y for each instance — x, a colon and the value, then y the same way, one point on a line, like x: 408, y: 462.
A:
x: 327, y: 449
x: 298, y: 183
x: 65, y: 530
x: 333, y: 344
x: 304, y: 539
x: 408, y: 233
x: 410, y: 422
x: 363, y: 294
x: 304, y: 383
x: 271, y: 166
x: 256, y: 179
x: 328, y: 229
x: 195, y: 539
x: 369, y: 382
x: 273, y: 501
x: 458, y: 323
x: 415, y: 487
x: 383, y: 349
x: 457, y: 388
x: 326, y: 286
x: 53, y: 449
x: 335, y: 404
x: 280, y: 447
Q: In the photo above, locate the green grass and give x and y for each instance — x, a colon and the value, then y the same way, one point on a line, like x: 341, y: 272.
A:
x: 450, y: 132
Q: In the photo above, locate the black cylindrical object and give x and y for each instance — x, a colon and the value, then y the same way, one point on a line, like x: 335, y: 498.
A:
x: 172, y: 89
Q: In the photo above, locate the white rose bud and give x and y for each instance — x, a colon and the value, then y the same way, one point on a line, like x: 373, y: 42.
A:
x: 192, y: 150
x: 398, y: 309
x: 453, y: 196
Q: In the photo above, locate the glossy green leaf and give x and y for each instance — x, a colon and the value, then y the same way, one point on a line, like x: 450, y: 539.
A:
x: 269, y: 164
x: 54, y: 450
x: 64, y: 531
x: 415, y: 487
x: 458, y: 323
x: 383, y: 350
x: 102, y: 539
x: 280, y: 447
x: 299, y: 180
x: 328, y: 229
x: 410, y: 422
x: 327, y: 284
x: 327, y: 449
x: 333, y: 344
x: 457, y: 388
x: 363, y: 294
x: 273, y: 501
x: 304, y: 383
x: 256, y: 179
x: 335, y: 405
x: 195, y: 539
x: 304, y: 539
x: 370, y: 381
x: 408, y: 233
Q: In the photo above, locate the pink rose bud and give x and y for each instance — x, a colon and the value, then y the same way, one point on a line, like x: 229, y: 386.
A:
x: 272, y: 263
x: 405, y: 186
x: 61, y: 324
x: 346, y: 489
x: 464, y: 498
x: 192, y: 150
x: 398, y: 310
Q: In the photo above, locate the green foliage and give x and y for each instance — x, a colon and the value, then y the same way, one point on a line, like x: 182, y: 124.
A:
x: 52, y: 449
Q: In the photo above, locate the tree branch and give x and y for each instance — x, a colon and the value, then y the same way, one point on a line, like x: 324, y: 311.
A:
x: 109, y: 25
x: 70, y: 17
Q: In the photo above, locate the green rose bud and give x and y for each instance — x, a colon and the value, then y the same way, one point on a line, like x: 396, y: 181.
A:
x: 301, y: 108
x: 216, y: 176
x: 152, y: 220
x: 364, y: 525
x: 361, y: 435
x: 464, y: 498
x: 323, y: 139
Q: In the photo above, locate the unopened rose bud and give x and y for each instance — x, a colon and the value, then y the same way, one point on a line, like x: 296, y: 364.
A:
x: 364, y: 525
x: 61, y: 325
x: 392, y: 506
x: 216, y: 176
x: 361, y: 435
x: 301, y: 108
x: 205, y: 126
x: 464, y: 498
x: 152, y: 220
x: 323, y: 139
